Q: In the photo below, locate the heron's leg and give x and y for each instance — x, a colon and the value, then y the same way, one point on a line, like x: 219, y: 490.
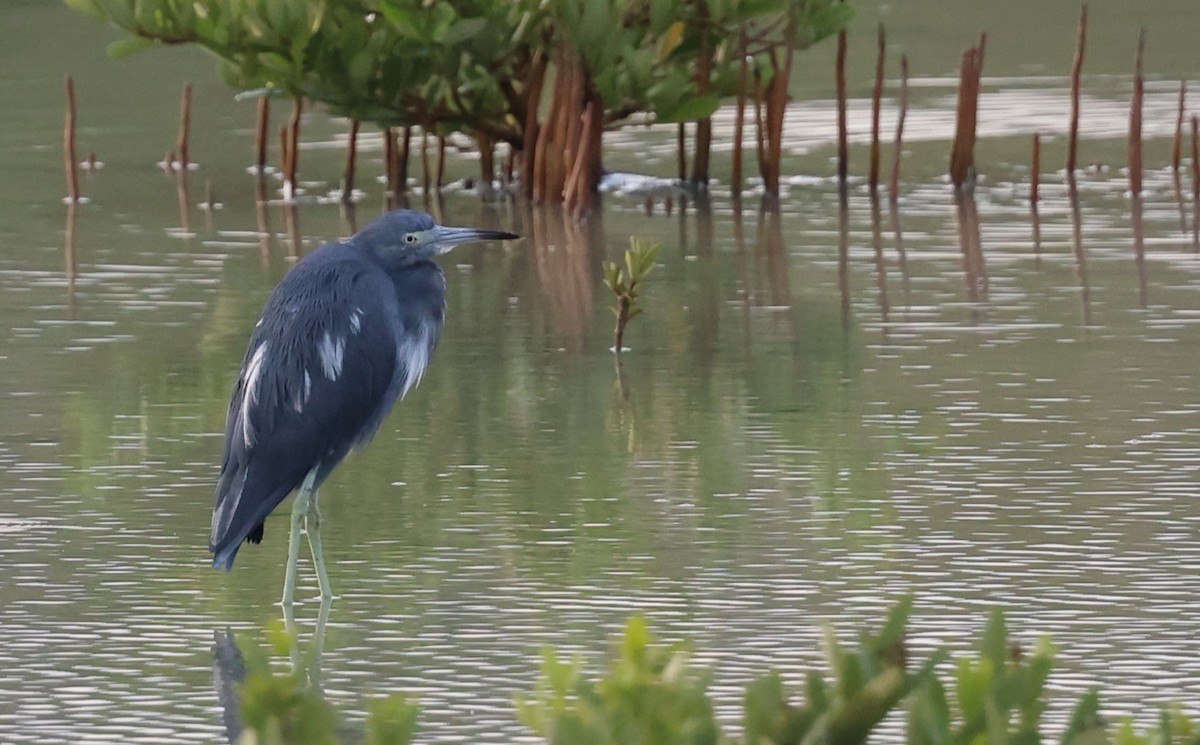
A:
x: 299, y: 513
x: 310, y: 667
x: 289, y: 625
x: 312, y: 525
x: 318, y: 651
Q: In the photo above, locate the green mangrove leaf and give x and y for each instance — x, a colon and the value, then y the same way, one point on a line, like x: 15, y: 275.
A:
x: 928, y: 715
x: 281, y: 640
x: 612, y: 274
x: 636, y: 641
x: 995, y: 640
x: 641, y: 257
x: 663, y: 14
x: 89, y: 8
x: 266, y: 92
x: 670, y: 40
x: 122, y: 48
x: 403, y: 19
x: 691, y: 109
x: 463, y: 29
x: 748, y: 9
x: 1085, y: 723
x: 816, y: 690
x: 971, y: 686
x: 764, y: 710
x: 442, y: 17
x: 897, y: 621
x: 392, y: 721
x: 828, y: 20
x: 361, y: 68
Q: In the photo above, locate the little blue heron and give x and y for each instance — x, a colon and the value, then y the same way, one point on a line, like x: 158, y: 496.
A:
x: 347, y: 333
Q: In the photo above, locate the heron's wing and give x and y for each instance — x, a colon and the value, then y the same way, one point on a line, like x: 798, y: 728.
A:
x: 316, y: 380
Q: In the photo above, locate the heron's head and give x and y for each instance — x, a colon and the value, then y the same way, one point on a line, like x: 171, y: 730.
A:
x: 415, y: 236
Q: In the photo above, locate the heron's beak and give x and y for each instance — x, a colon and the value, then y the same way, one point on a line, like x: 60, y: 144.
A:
x: 444, y: 238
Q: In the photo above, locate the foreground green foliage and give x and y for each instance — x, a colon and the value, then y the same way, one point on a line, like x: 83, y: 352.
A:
x: 287, y: 709
x: 651, y: 694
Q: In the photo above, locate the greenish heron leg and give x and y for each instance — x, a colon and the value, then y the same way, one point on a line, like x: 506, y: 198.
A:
x: 300, y: 510
x: 312, y: 526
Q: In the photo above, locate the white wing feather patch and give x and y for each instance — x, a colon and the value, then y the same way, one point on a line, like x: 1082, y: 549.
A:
x: 413, y: 356
x: 254, y: 373
x: 301, y: 398
x: 332, y: 352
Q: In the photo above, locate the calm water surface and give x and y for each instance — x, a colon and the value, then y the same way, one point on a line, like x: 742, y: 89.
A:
x: 959, y: 407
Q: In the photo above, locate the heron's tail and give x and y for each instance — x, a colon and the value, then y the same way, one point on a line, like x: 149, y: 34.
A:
x: 224, y: 557
x: 224, y: 540
x: 224, y: 554
x: 243, y: 503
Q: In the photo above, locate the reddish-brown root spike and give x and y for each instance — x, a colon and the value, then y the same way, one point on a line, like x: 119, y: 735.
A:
x: 1196, y: 183
x: 681, y: 150
x: 843, y: 141
x: 294, y: 160
x: 1135, y: 119
x: 351, y: 163
x: 876, y: 103
x: 284, y: 152
x: 960, y: 153
x: 264, y: 120
x: 1076, y: 70
x: 1177, y: 145
x: 403, y: 148
x: 426, y: 171
x: 389, y: 162
x: 185, y: 127
x: 903, y: 113
x: 1035, y: 169
x: 441, y: 161
x: 70, y: 162
x: 760, y: 134
x: 1196, y: 157
x: 739, y: 122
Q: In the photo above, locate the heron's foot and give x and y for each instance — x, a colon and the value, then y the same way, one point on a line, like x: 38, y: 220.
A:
x: 323, y: 583
x: 289, y: 605
x: 322, y: 577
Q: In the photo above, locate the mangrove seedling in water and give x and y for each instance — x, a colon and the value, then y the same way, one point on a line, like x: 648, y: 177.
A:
x: 625, y: 283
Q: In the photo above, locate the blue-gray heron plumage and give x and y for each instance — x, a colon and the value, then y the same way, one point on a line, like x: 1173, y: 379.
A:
x: 348, y: 332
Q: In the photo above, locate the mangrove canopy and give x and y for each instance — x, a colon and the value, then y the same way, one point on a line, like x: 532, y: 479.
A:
x: 547, y: 77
